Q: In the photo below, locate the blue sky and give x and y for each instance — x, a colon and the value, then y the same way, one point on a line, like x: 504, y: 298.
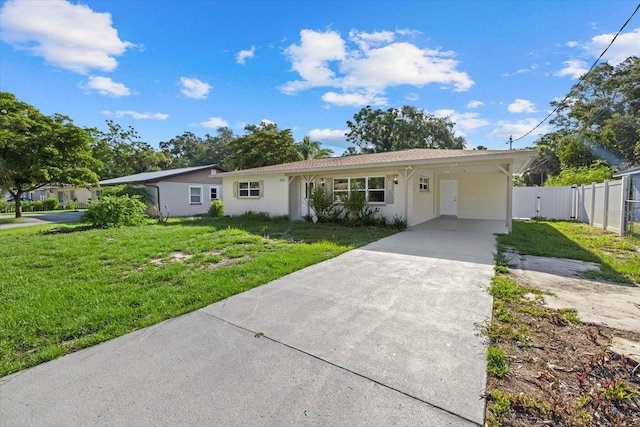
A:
x: 168, y: 66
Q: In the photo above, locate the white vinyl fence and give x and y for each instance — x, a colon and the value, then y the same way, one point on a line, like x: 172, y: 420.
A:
x: 601, y: 205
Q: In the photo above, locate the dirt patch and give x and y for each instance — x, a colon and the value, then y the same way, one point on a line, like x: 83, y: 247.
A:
x: 561, y: 373
x: 175, y: 256
x: 601, y: 303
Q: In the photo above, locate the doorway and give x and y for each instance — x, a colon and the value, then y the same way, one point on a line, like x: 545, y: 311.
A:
x: 449, y: 197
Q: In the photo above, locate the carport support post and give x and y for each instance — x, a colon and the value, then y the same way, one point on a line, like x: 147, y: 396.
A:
x: 509, y: 200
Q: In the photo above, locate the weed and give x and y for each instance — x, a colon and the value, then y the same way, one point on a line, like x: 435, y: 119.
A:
x: 618, y: 390
x: 497, y: 362
x: 503, y: 313
x: 571, y: 314
x: 501, y: 402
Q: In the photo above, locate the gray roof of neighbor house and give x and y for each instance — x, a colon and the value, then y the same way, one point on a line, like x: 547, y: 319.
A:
x: 631, y: 171
x: 145, y: 177
x: 417, y: 156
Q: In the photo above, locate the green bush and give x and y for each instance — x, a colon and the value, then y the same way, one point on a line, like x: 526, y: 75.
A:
x: 112, y: 211
x: 216, y: 209
x: 51, y: 204
x: 399, y: 223
x: 321, y: 201
x: 37, y: 206
x: 354, y: 204
x: 27, y: 206
x: 72, y: 205
x: 128, y: 190
x: 4, y: 206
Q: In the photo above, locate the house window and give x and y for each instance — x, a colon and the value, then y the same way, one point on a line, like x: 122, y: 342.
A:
x: 213, y: 193
x: 195, y: 195
x: 249, y: 189
x: 372, y: 187
x: 72, y: 194
x: 424, y: 183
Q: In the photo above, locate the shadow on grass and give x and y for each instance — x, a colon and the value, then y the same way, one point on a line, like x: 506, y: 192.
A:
x: 542, y: 239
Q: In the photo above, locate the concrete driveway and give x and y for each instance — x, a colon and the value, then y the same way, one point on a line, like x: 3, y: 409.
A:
x: 29, y: 219
x: 382, y: 335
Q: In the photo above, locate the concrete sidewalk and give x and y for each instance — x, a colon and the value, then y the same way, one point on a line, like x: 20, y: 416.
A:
x: 382, y: 335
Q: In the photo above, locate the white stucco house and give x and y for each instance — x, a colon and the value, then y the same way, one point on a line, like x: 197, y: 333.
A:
x: 417, y: 184
x: 177, y: 192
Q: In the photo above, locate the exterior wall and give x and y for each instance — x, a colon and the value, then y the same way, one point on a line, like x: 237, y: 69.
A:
x: 422, y: 202
x: 274, y: 200
x: 481, y: 195
x: 64, y: 194
x: 175, y: 197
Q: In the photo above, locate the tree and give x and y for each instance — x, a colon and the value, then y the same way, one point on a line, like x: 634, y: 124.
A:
x: 375, y: 131
x: 262, y: 145
x: 217, y: 148
x: 307, y: 149
x: 184, y: 149
x: 602, y: 116
x: 122, y: 153
x: 36, y: 150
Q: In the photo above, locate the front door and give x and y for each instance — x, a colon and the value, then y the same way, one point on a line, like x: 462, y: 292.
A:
x: 307, y: 189
x: 448, y: 197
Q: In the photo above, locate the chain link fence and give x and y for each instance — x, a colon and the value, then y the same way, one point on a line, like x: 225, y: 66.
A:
x: 633, y: 217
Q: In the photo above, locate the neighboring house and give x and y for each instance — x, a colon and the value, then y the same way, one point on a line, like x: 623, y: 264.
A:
x: 631, y: 177
x: 177, y: 192
x: 418, y: 184
x: 64, y: 193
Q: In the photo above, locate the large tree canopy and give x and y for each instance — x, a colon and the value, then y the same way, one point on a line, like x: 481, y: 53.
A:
x: 36, y: 150
x: 307, y: 149
x: 122, y: 153
x: 261, y: 145
x: 376, y: 131
x: 601, y: 117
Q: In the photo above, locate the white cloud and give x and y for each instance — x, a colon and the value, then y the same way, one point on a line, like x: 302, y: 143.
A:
x: 66, y: 35
x: 243, y: 55
x: 626, y: 45
x: 267, y: 122
x: 475, y: 104
x: 194, y: 88
x: 412, y: 97
x: 104, y: 86
x: 463, y: 121
x: 366, y: 40
x: 522, y: 106
x: 352, y: 99
x: 136, y: 115
x: 324, y: 134
x: 573, y: 68
x: 506, y: 128
x: 572, y: 44
x: 375, y: 62
x: 214, y: 123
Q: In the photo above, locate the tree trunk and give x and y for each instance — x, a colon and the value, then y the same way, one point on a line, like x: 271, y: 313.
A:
x: 18, y: 202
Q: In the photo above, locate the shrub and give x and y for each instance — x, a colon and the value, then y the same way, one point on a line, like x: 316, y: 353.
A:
x: 37, y: 205
x: 4, y: 206
x: 354, y: 204
x: 128, y: 190
x: 399, y: 223
x: 321, y: 201
x: 112, y: 211
x: 51, y: 204
x: 216, y: 209
x: 72, y: 205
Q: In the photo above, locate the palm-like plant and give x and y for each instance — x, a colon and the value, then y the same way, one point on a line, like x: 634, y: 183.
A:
x: 308, y: 149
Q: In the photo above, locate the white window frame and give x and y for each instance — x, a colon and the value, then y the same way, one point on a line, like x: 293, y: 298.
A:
x: 423, y: 184
x: 366, y: 189
x: 252, y: 190
x: 192, y: 187
x: 217, y: 188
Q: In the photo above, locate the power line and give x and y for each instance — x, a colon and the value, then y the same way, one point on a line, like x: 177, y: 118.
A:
x: 579, y: 80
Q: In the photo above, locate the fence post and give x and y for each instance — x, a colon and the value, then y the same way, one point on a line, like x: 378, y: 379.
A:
x: 605, y: 216
x: 581, y: 204
x: 624, y: 204
x: 593, y: 202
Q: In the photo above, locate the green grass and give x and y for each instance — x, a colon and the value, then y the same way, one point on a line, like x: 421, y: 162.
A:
x: 497, y: 364
x: 69, y: 290
x: 618, y: 256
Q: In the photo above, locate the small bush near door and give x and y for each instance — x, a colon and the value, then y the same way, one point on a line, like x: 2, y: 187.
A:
x: 51, y: 204
x: 216, y: 209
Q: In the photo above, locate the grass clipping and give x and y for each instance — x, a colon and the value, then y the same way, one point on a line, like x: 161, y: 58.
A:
x: 547, y: 368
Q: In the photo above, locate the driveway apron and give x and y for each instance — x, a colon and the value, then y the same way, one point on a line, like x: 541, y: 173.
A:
x: 381, y: 335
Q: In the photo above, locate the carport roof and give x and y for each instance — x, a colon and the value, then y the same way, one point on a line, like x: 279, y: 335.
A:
x: 418, y: 156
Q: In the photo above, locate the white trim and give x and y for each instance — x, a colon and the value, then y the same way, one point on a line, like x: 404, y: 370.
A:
x: 190, y: 195
x: 217, y: 187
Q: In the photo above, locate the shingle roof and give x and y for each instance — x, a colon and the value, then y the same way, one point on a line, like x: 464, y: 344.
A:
x: 413, y: 156
x: 145, y: 177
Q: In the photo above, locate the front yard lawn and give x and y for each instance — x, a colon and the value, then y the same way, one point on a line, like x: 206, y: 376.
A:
x: 67, y: 290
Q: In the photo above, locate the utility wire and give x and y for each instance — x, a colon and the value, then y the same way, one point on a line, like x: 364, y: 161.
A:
x: 579, y: 80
